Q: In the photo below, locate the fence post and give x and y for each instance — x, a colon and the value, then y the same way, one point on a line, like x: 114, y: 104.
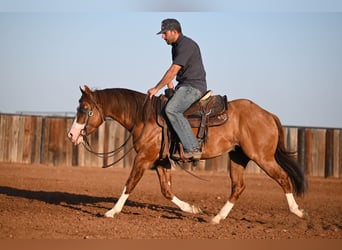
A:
x: 308, y: 151
x: 301, y: 148
x: 329, y: 153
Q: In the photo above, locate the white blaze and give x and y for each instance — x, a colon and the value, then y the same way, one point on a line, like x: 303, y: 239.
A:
x: 75, y: 132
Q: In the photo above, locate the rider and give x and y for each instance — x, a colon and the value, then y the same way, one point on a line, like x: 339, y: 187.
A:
x: 187, y: 67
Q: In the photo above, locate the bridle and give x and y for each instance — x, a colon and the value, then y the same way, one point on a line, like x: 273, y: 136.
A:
x: 90, y: 114
x: 112, y: 153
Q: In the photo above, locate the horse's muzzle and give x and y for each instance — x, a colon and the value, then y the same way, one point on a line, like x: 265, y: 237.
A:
x: 76, y: 136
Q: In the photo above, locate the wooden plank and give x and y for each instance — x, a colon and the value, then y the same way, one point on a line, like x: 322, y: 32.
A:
x: 286, y: 132
x: 96, y: 142
x: 100, y: 144
x: 329, y: 153
x: 217, y: 164
x: 119, y: 139
x: 81, y: 155
x: 71, y: 150
x: 56, y: 141
x: 110, y: 131
x: 336, y: 153
x: 86, y: 158
x: 51, y: 142
x: 7, y: 134
x: 43, y: 157
x: 7, y: 138
x: 68, y: 144
x: 90, y: 159
x: 2, y: 136
x: 253, y: 168
x: 213, y: 164
x: 301, y: 148
x: 75, y: 154
x: 106, y: 140
x: 200, y: 165
x: 31, y: 139
x: 340, y: 155
x: 13, y: 147
x: 28, y: 139
x: 87, y: 155
x: 28, y: 144
x: 20, y: 139
x: 308, y: 151
x: 69, y: 153
x: 318, y: 152
x: 64, y: 142
x: 223, y: 165
x: 37, y: 139
x: 130, y: 156
x: 291, y: 140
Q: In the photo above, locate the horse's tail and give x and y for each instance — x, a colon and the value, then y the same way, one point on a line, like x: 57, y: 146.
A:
x: 287, y: 162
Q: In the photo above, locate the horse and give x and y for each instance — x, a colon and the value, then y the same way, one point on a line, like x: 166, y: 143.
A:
x: 250, y: 134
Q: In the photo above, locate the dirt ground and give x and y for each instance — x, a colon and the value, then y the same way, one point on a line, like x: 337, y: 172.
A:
x: 44, y: 202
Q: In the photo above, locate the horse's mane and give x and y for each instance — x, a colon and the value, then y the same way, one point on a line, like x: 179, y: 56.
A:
x: 124, y: 100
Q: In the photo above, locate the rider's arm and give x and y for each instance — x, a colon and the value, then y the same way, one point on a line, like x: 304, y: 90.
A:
x: 170, y: 85
x: 166, y: 80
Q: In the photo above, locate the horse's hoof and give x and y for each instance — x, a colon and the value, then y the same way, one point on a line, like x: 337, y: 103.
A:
x: 215, y: 221
x: 196, y: 209
x: 109, y: 214
x: 305, y: 215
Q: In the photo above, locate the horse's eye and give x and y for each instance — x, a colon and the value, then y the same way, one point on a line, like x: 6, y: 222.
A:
x: 82, y: 110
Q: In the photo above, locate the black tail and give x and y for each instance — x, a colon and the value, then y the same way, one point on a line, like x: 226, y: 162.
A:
x: 291, y: 166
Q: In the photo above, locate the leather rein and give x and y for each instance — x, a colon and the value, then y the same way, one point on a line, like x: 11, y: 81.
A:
x: 114, y: 152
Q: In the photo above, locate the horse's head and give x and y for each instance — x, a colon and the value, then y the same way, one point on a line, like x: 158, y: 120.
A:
x: 88, y: 118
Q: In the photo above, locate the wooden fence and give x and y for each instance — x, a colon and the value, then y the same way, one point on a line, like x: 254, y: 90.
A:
x: 43, y: 140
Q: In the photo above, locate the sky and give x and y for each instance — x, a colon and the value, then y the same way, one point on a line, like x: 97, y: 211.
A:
x: 287, y: 58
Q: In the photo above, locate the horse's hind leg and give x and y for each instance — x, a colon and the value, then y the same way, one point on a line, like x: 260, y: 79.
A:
x: 239, y: 162
x: 164, y: 174
x: 273, y: 169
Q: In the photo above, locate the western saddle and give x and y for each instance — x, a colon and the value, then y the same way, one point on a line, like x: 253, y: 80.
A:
x: 210, y: 110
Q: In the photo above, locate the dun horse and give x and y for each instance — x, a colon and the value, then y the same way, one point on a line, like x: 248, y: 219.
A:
x: 251, y: 133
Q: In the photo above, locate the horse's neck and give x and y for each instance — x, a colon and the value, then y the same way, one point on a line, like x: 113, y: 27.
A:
x: 123, y: 106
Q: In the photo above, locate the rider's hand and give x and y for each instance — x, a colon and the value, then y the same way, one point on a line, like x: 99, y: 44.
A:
x: 152, y: 92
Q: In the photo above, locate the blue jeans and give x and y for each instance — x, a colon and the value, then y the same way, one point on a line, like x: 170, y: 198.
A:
x: 182, y: 99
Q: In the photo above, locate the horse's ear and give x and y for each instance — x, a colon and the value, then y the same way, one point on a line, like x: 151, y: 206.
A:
x: 82, y: 91
x: 87, y: 91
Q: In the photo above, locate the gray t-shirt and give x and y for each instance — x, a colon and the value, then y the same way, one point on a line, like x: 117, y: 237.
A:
x: 186, y: 53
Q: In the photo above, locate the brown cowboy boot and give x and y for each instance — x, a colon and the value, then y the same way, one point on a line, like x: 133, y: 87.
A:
x: 191, y: 155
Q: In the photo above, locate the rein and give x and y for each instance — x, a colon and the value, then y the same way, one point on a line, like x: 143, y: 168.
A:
x: 112, y: 153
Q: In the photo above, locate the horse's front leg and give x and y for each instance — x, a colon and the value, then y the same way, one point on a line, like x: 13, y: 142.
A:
x: 137, y: 172
x: 164, y: 174
x: 118, y: 206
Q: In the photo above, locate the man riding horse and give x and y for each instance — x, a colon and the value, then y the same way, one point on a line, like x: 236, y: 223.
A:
x: 252, y: 133
x: 187, y: 67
